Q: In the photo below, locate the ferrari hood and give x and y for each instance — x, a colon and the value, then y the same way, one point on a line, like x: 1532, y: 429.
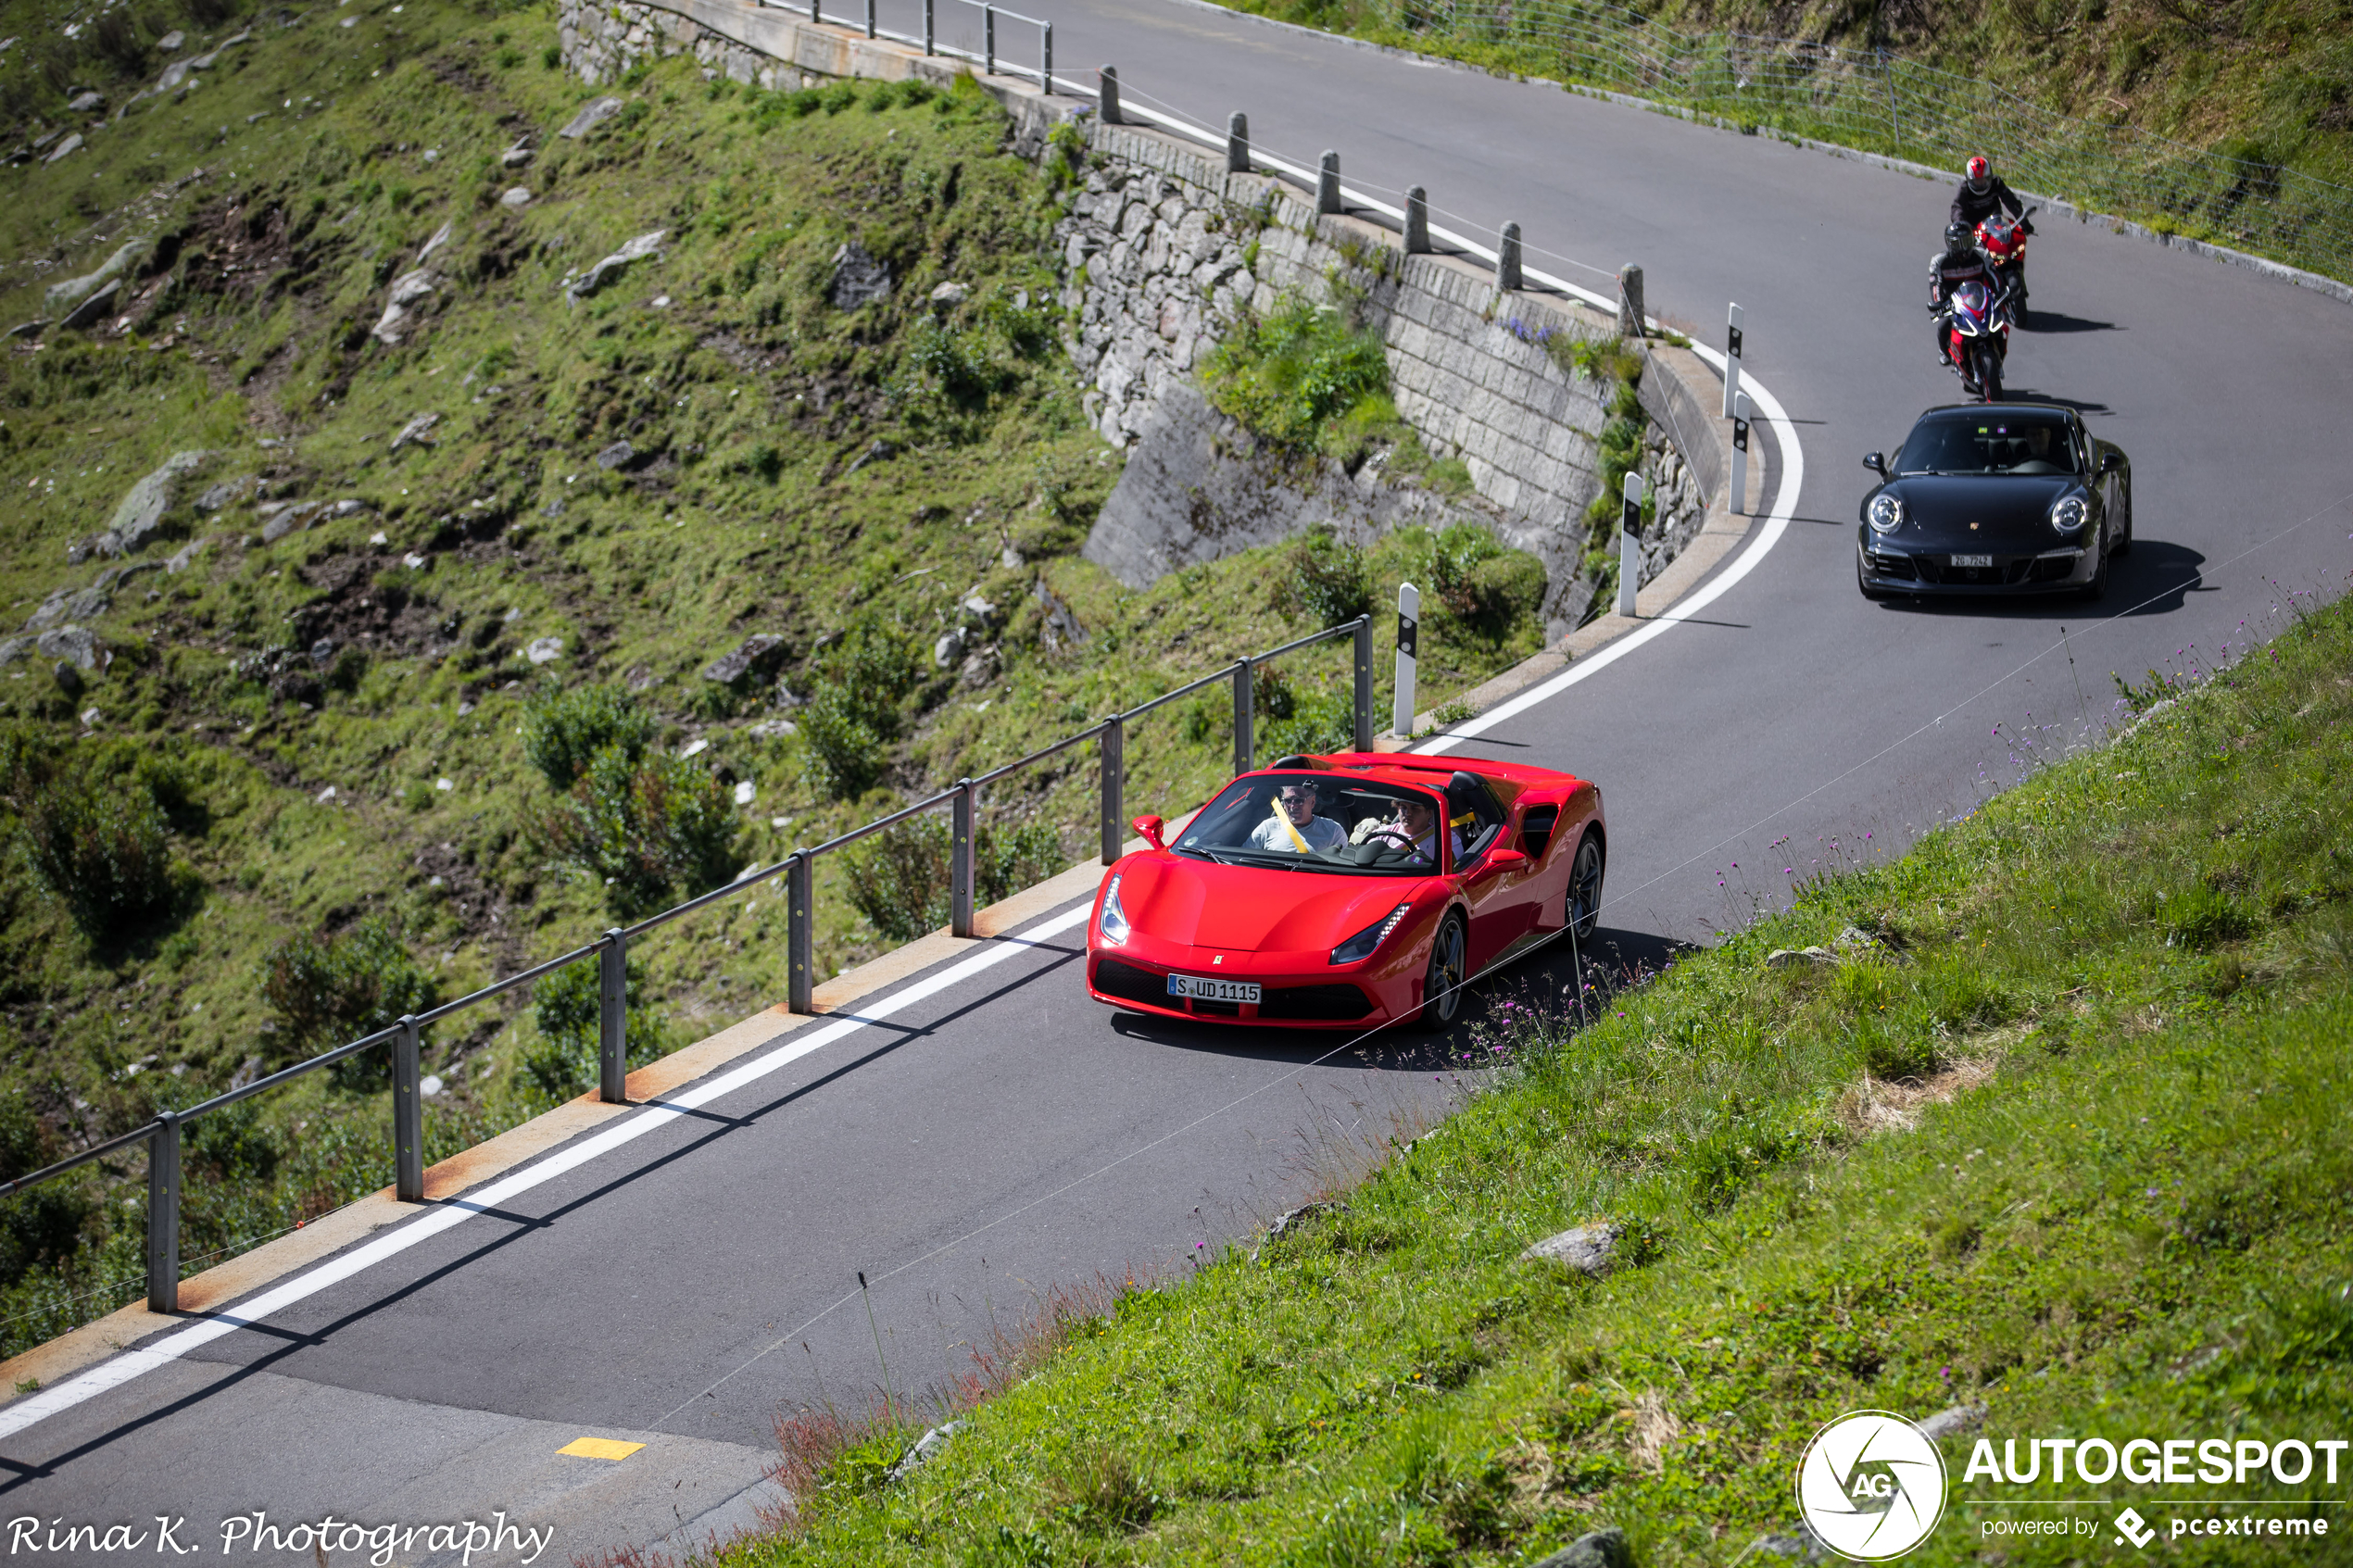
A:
x: 1246, y: 909
x: 2010, y: 512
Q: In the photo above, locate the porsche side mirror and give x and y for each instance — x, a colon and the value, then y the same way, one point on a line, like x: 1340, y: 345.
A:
x: 1506, y: 860
x: 1876, y: 462
x: 1150, y: 828
x: 2111, y: 461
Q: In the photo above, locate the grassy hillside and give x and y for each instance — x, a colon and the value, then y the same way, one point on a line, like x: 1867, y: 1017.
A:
x: 411, y: 682
x: 2051, y: 1123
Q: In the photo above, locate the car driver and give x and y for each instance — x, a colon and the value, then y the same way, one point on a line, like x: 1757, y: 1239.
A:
x: 1295, y: 827
x: 1415, y: 830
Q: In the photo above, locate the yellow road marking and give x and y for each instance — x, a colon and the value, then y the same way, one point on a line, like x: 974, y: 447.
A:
x: 599, y: 1448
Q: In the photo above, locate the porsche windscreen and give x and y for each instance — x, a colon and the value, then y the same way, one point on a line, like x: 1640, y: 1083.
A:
x: 1319, y: 821
x: 1966, y: 443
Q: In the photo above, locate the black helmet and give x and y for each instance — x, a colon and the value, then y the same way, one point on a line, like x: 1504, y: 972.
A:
x: 1960, y: 236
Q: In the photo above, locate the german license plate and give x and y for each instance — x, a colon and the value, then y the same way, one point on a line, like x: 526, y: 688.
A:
x: 1972, y: 560
x: 1202, y: 987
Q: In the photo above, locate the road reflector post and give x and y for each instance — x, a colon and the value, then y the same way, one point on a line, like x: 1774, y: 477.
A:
x: 930, y: 27
x: 960, y: 860
x: 1328, y: 182
x: 799, y: 935
x: 408, y: 1115
x: 1507, y: 270
x: 613, y: 1020
x: 163, y: 1213
x: 1045, y: 58
x: 1629, y: 543
x: 1244, y: 748
x: 1363, y: 644
x: 1416, y: 221
x: 1106, y: 93
x: 1114, y: 769
x: 1632, y: 322
x: 1238, y: 142
x: 988, y: 39
x: 814, y: 14
x: 870, y: 18
x: 1740, y: 454
x: 1731, y: 358
x: 1409, y: 610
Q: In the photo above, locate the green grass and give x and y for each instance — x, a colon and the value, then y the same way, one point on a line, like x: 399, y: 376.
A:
x: 839, y: 479
x: 2062, y: 1135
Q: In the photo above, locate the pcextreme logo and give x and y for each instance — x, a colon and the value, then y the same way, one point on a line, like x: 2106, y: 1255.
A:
x: 1870, y: 1486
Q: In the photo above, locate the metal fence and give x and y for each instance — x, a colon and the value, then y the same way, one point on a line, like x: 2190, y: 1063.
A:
x: 964, y: 30
x: 163, y: 1134
x: 1876, y: 100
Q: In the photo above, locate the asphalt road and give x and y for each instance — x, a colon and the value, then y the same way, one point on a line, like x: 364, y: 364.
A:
x: 999, y: 1137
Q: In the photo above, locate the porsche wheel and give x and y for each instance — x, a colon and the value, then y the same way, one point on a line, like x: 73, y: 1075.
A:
x: 2124, y: 536
x: 1442, y: 988
x: 2097, y: 589
x: 1584, y: 911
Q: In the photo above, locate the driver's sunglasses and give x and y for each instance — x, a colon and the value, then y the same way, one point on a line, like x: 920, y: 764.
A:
x: 1294, y: 797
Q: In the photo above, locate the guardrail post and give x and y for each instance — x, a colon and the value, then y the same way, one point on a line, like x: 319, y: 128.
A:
x: 613, y: 1020
x: 960, y: 860
x: 1362, y: 643
x: 163, y: 1213
x: 1507, y: 273
x: 1731, y: 358
x: 988, y: 39
x: 1630, y: 318
x: 930, y: 31
x: 1409, y: 610
x: 814, y: 14
x: 1107, y: 95
x: 408, y: 1115
x: 1243, y: 749
x: 1416, y: 221
x: 870, y: 18
x: 1328, y: 182
x: 1238, y: 142
x: 1740, y: 454
x: 1629, y: 543
x: 1115, y: 831
x: 800, y: 921
x: 1045, y: 58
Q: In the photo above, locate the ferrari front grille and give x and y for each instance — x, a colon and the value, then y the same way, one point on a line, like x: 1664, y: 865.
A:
x: 1130, y: 983
x: 1313, y: 1002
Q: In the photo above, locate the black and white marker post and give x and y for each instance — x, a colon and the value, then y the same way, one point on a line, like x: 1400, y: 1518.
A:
x: 1630, y: 544
x: 1740, y: 454
x: 1731, y: 358
x: 1409, y: 610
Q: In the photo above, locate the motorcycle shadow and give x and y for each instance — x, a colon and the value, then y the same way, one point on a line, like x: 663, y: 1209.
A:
x: 2032, y: 321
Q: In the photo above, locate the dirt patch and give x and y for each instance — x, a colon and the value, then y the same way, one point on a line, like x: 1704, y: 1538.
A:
x: 1876, y: 1105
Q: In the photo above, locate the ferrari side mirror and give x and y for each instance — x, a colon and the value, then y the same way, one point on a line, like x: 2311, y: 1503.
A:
x: 1506, y: 860
x: 1150, y: 828
x: 1876, y: 462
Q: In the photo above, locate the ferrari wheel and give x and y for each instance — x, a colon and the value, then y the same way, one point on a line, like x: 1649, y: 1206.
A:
x: 1443, y: 990
x: 1584, y: 911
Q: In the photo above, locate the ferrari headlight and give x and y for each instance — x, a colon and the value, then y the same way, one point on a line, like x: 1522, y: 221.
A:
x: 2070, y: 514
x: 1886, y: 513
x: 1113, y: 926
x: 1360, y: 946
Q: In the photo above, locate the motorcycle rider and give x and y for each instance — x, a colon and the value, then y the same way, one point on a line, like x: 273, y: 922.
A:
x: 1959, y: 262
x: 1983, y: 195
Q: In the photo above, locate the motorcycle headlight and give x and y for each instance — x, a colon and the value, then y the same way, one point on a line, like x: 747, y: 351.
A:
x: 1111, y: 925
x: 1360, y: 946
x: 1886, y: 513
x: 2070, y: 514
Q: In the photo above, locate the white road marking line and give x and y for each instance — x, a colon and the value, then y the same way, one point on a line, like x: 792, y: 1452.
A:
x: 130, y: 1364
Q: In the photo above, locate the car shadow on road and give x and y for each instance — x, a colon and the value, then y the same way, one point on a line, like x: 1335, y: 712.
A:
x: 2156, y: 577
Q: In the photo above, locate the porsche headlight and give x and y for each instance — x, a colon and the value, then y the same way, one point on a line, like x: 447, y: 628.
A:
x: 1113, y: 926
x: 2070, y: 514
x: 1886, y: 513
x: 1360, y: 946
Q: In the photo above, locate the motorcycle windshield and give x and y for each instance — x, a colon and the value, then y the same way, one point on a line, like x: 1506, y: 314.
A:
x: 1972, y: 305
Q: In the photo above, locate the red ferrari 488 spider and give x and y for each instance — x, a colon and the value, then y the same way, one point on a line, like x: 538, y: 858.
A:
x: 1348, y: 891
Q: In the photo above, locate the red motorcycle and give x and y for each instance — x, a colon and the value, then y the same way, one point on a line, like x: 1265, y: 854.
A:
x: 2003, y: 242
x: 1977, y: 327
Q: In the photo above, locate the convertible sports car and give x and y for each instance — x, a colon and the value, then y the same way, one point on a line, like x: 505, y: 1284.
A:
x: 1996, y: 498
x: 1348, y: 891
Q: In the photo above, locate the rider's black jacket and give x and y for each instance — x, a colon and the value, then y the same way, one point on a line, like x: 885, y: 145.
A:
x: 1948, y: 270
x: 1973, y: 208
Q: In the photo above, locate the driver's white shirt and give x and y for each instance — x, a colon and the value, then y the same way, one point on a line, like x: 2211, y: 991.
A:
x: 1321, y: 833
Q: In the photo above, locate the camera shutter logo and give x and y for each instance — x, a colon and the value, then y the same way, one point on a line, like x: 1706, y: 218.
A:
x: 1870, y: 1486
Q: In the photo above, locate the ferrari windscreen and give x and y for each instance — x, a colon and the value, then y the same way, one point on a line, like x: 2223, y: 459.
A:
x: 1319, y: 821
x: 1963, y: 441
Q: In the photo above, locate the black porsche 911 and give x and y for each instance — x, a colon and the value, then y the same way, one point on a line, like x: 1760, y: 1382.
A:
x: 1995, y: 498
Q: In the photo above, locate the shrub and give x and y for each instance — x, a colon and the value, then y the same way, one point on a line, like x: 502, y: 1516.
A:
x: 1473, y: 580
x: 1322, y: 720
x: 1326, y: 579
x: 325, y: 990
x: 99, y: 847
x: 562, y: 731
x: 41, y: 1225
x: 899, y: 878
x: 856, y: 686
x: 650, y: 828
x: 565, y: 1005
x: 1285, y: 374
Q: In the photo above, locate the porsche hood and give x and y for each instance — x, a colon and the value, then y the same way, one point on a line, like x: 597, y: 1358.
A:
x: 2005, y: 510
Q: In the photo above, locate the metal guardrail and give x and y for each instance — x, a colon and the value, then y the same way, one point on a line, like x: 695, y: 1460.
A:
x: 982, y: 51
x: 162, y: 1135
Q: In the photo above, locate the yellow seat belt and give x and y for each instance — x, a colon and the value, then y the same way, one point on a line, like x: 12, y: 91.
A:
x: 1284, y: 817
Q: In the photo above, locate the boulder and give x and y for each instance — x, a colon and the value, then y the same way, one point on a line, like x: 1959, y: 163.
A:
x: 322, y: 652
x: 928, y: 1445
x: 617, y: 456
x: 859, y: 277
x: 545, y: 650
x: 407, y: 291
x: 141, y: 512
x: 591, y: 116
x: 169, y: 42
x: 440, y: 238
x: 612, y: 266
x: 186, y: 556
x: 417, y: 432
x: 97, y: 308
x: 949, y: 650
x: 515, y: 157
x: 203, y: 62
x: 89, y: 101
x: 1598, y: 1548
x: 289, y: 517
x: 758, y: 654
x: 62, y: 296
x: 1585, y: 1248
x: 71, y: 144
x: 68, y: 605
x: 32, y: 328
x: 227, y: 493
x: 946, y: 297
x: 517, y: 198
x: 76, y: 645
x: 1789, y: 957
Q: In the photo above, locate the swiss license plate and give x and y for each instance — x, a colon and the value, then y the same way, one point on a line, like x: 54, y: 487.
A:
x: 1202, y: 987
x: 1972, y: 560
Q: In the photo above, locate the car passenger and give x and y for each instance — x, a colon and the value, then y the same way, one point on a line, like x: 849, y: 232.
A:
x: 1294, y: 826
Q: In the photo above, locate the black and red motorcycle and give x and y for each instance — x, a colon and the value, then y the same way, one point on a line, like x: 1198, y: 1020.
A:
x: 1977, y: 337
x: 2003, y: 239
